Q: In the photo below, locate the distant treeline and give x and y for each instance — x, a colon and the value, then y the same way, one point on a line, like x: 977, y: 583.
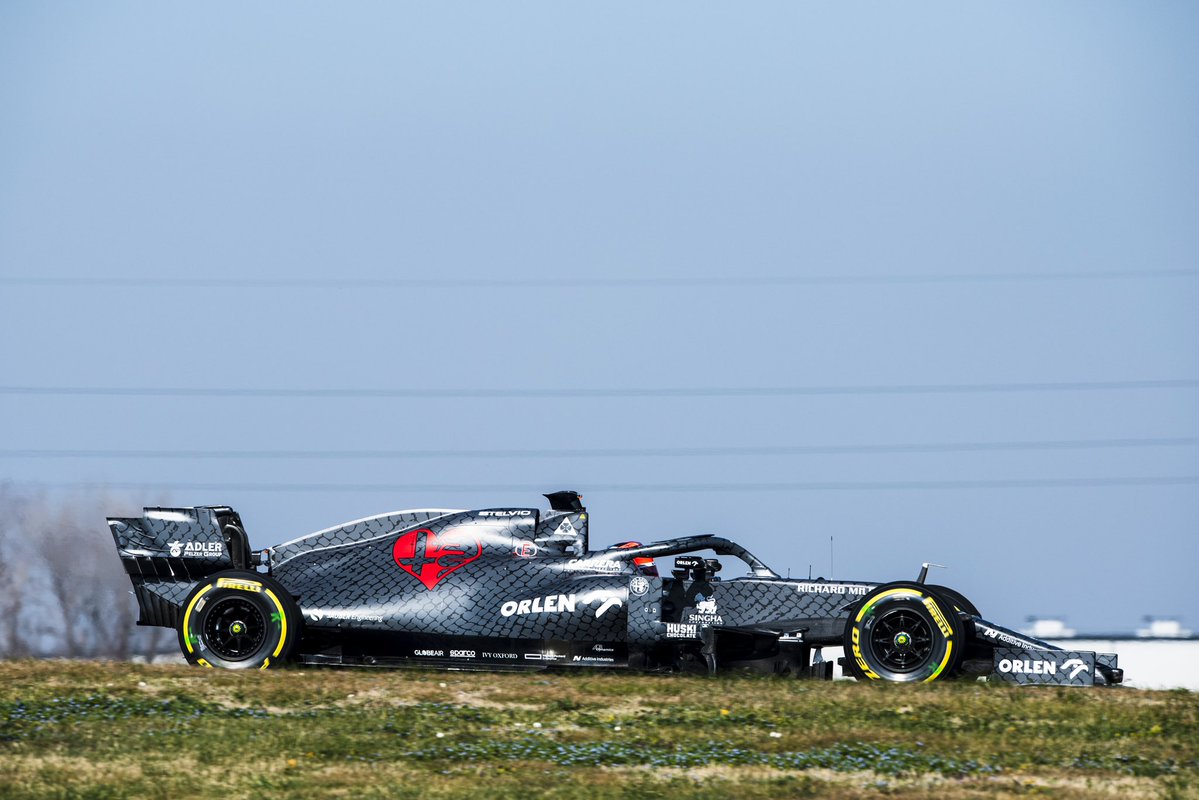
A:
x: 63, y: 592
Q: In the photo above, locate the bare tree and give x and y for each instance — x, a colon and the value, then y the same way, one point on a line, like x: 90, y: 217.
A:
x: 82, y: 576
x: 67, y: 569
x: 14, y: 573
x: 154, y: 641
x: 65, y: 591
x: 113, y: 613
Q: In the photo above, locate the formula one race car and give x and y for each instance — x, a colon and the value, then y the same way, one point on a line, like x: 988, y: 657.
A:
x: 519, y: 588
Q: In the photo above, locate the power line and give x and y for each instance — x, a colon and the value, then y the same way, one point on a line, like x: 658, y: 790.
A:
x: 614, y: 452
x: 663, y: 488
x: 560, y: 282
x: 598, y: 392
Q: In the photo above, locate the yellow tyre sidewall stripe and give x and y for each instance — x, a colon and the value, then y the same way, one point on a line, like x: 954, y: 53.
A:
x: 934, y: 611
x: 282, y: 623
x: 944, y: 661
x: 236, y: 584
x: 888, y: 593
x: 187, y: 615
x: 857, y: 655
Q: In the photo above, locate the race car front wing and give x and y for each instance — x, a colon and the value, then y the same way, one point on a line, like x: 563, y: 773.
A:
x: 1023, y: 660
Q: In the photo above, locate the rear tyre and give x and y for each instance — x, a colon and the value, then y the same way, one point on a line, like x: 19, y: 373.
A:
x: 903, y: 632
x: 238, y: 620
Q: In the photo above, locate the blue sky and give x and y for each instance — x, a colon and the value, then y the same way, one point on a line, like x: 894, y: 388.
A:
x: 552, y: 145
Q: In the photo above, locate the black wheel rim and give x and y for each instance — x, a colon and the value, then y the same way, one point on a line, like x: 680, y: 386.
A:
x: 901, y: 640
x: 234, y: 628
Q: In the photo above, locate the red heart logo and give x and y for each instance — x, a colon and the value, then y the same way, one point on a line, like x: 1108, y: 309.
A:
x: 428, y: 557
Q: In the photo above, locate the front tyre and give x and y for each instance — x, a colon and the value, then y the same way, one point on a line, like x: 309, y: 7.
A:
x: 903, y: 632
x: 238, y: 620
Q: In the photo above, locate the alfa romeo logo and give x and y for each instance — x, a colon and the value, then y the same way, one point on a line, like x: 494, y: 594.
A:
x: 429, y: 558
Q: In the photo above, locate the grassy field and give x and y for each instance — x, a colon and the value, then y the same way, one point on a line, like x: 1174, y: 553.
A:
x: 89, y: 730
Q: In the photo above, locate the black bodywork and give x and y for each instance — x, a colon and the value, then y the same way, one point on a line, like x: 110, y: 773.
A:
x: 520, y: 588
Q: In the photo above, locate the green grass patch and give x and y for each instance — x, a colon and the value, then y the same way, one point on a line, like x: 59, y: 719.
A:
x: 91, y: 730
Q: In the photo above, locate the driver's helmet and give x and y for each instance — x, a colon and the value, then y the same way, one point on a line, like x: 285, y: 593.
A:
x: 645, y: 566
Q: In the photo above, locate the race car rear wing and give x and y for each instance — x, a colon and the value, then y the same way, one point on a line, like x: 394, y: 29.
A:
x: 167, y: 549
